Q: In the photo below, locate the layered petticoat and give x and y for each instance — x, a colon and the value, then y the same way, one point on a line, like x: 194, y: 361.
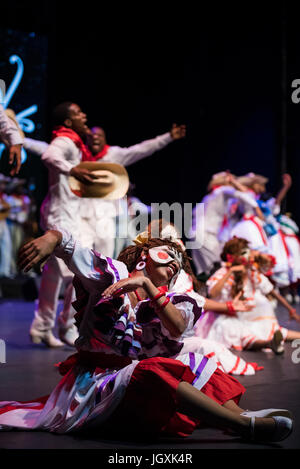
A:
x: 90, y: 398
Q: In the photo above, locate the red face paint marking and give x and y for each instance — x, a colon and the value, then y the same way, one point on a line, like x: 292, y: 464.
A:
x: 163, y: 255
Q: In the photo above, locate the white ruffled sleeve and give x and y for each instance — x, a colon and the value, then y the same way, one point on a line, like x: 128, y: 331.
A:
x: 95, y: 270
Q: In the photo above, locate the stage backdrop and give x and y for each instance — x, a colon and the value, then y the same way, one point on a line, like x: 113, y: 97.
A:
x: 219, y: 70
x: 23, y: 67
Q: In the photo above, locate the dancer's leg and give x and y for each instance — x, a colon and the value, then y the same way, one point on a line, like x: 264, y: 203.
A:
x: 196, y: 404
x: 292, y: 335
x: 231, y: 405
x: 45, y: 313
x: 68, y: 332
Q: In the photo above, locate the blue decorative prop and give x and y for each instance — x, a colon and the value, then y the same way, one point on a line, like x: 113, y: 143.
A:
x: 27, y: 125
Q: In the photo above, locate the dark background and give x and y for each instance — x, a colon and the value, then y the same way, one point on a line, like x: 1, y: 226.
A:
x: 224, y: 71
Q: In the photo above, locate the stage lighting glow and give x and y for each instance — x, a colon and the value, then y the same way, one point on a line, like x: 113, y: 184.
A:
x: 27, y: 125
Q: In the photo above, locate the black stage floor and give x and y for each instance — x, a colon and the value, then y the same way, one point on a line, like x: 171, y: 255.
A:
x: 29, y: 373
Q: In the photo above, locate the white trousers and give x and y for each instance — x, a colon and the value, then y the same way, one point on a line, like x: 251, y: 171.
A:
x: 55, y: 273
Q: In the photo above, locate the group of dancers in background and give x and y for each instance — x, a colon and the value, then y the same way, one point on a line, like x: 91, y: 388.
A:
x: 152, y: 344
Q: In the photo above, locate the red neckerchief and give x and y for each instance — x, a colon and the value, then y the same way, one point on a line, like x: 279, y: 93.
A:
x: 62, y: 131
x: 101, y: 153
x: 216, y: 187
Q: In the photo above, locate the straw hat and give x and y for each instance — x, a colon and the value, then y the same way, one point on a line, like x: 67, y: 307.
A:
x: 252, y: 178
x: 219, y: 179
x: 112, y: 182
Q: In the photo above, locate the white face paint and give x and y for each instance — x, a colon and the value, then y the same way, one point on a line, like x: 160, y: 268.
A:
x: 246, y: 253
x: 165, y: 254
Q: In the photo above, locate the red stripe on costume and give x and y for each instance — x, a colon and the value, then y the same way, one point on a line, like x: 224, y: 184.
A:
x: 37, y: 404
x: 284, y: 243
x: 286, y: 235
x: 249, y: 342
x: 272, y: 332
x: 235, y: 366
x: 260, y: 229
x: 245, y: 369
x: 256, y: 366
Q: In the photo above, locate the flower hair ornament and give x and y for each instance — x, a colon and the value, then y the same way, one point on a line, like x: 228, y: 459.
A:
x: 141, y: 238
x: 243, y: 259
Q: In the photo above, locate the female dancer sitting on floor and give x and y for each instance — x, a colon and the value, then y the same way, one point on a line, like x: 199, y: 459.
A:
x: 122, y: 377
x: 254, y: 329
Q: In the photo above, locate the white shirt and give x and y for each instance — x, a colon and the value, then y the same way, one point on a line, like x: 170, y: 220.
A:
x: 9, y: 132
x: 61, y: 207
x: 216, y: 203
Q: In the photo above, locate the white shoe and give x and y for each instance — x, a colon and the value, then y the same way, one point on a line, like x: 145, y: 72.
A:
x: 277, y: 343
x: 68, y: 336
x: 283, y: 428
x: 268, y: 413
x: 45, y: 337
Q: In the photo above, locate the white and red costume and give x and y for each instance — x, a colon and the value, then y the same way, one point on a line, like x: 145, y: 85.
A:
x: 244, y: 328
x: 104, y: 384
x: 207, y: 231
x: 195, y: 342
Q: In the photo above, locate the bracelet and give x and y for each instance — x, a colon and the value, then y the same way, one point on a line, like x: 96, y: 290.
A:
x: 230, y: 307
x: 159, y: 295
x: 159, y: 308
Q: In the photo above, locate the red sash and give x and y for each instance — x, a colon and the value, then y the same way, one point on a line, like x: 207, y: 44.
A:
x: 101, y: 153
x: 62, y: 131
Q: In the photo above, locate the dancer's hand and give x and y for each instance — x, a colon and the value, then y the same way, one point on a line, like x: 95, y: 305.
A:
x: 15, y: 158
x: 242, y: 305
x: 238, y: 268
x: 178, y: 131
x: 38, y: 250
x: 287, y: 180
x: 293, y: 314
x: 125, y: 285
x: 83, y: 175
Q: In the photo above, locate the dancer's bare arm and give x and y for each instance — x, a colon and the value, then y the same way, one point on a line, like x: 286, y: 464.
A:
x: 170, y: 316
x: 218, y: 287
x: 38, y: 250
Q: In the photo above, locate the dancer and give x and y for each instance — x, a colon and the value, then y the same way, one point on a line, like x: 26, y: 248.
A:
x: 264, y: 234
x: 10, y: 135
x: 98, y: 217
x: 250, y: 227
x: 222, y: 188
x: 61, y: 206
x: 124, y: 313
x: 257, y: 328
x: 289, y: 232
x: 95, y: 218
